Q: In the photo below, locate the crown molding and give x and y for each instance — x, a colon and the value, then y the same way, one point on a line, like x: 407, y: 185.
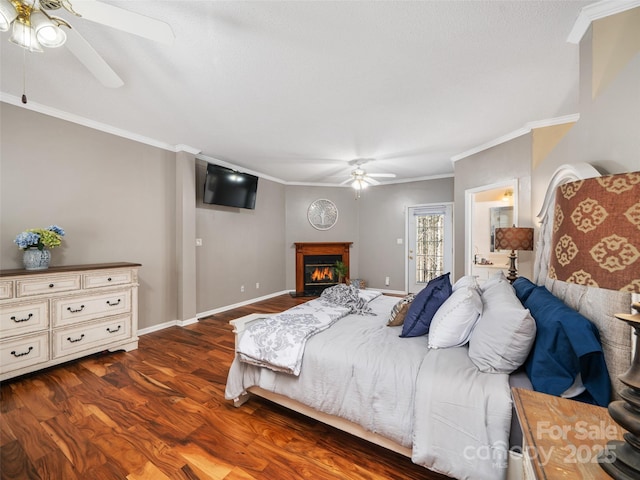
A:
x: 187, y: 149
x: 103, y: 127
x: 389, y: 182
x: 596, y: 11
x: 518, y: 133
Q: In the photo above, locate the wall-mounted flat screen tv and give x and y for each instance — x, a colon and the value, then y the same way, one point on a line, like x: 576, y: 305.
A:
x: 224, y: 186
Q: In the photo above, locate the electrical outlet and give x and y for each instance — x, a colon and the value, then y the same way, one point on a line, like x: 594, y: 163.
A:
x: 198, y: 242
x: 257, y: 285
x: 386, y: 281
x: 241, y: 288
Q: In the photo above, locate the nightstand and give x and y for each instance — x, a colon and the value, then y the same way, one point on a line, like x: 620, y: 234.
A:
x: 562, y: 438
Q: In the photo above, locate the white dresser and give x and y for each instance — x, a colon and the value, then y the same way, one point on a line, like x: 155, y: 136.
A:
x: 52, y: 316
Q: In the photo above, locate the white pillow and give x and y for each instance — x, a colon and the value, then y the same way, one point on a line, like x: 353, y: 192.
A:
x: 494, y: 280
x: 466, y: 281
x: 453, y: 322
x: 505, y: 332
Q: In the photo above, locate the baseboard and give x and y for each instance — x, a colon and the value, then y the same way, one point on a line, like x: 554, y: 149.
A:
x: 155, y: 328
x: 389, y: 292
x: 241, y: 304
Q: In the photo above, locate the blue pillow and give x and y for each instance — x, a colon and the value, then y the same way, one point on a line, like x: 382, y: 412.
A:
x: 523, y: 287
x: 566, y: 344
x: 425, y: 305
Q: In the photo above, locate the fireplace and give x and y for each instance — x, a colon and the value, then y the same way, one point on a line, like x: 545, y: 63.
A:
x: 315, y: 266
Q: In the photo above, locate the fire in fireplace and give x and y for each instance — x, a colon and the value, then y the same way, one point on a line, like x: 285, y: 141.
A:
x: 322, y: 274
x: 319, y: 272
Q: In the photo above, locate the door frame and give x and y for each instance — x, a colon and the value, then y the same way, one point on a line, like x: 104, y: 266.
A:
x: 407, y: 218
x: 469, y: 199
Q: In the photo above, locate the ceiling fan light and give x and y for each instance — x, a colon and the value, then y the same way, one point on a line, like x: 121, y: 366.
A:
x: 22, y: 34
x: 48, y: 33
x: 8, y: 14
x: 359, y: 184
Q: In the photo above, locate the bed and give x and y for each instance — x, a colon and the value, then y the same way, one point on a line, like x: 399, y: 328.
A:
x: 448, y: 409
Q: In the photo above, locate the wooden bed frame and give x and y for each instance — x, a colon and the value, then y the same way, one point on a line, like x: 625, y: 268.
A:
x: 575, y: 295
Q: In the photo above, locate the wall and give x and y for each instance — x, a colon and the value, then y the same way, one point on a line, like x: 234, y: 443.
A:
x: 240, y: 247
x: 373, y: 223
x: 298, y: 228
x: 504, y: 162
x: 607, y: 135
x: 114, y: 197
x: 382, y: 214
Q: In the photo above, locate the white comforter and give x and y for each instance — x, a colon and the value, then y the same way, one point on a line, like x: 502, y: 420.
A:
x: 455, y: 418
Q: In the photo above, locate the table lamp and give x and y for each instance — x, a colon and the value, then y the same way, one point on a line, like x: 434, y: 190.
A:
x: 513, y: 238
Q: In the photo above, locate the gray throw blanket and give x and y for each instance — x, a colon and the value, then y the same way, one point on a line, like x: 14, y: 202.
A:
x: 348, y: 296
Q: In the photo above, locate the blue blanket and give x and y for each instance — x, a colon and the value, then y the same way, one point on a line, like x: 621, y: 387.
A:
x: 566, y: 344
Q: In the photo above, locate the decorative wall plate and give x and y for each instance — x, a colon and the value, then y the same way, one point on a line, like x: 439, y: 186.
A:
x: 322, y: 214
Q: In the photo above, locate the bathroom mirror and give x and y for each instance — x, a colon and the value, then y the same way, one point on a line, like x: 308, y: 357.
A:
x: 499, y: 217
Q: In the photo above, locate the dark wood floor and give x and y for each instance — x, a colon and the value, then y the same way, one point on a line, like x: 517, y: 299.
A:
x: 159, y: 412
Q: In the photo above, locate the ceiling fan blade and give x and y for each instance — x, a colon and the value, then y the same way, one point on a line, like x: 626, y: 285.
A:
x: 348, y: 180
x: 370, y: 180
x: 382, y: 175
x: 124, y: 20
x: 92, y: 60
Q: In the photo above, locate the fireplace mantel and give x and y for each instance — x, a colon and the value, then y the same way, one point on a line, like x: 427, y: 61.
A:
x: 317, y: 248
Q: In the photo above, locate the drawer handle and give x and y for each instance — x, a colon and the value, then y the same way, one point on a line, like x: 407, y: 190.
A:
x: 109, y: 279
x: 113, y: 331
x: 21, y: 354
x: 51, y: 285
x: 76, y: 310
x: 114, y: 303
x: 18, y: 320
x: 75, y: 340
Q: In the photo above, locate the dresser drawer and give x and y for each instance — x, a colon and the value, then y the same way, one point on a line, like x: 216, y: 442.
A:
x: 6, y: 290
x: 89, y: 336
x: 47, y: 284
x: 24, y: 352
x: 24, y: 317
x: 107, y: 278
x: 79, y: 308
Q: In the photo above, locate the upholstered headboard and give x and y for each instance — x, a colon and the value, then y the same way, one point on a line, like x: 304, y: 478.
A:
x: 596, y: 304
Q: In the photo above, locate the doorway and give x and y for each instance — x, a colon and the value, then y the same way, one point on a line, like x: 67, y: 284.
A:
x: 429, y: 245
x: 486, y: 208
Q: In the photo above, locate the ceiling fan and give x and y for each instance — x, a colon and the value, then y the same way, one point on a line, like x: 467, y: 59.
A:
x: 360, y: 179
x: 34, y: 26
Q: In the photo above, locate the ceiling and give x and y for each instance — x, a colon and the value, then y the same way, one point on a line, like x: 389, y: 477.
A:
x: 295, y: 90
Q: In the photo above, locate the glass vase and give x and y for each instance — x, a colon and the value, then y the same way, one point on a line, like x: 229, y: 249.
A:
x: 35, y: 259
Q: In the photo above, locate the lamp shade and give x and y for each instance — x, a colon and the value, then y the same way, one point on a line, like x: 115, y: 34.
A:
x: 22, y: 34
x: 48, y: 34
x: 596, y: 232
x: 514, y: 238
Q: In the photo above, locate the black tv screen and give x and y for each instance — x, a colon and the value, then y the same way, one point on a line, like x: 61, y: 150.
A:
x: 227, y: 187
